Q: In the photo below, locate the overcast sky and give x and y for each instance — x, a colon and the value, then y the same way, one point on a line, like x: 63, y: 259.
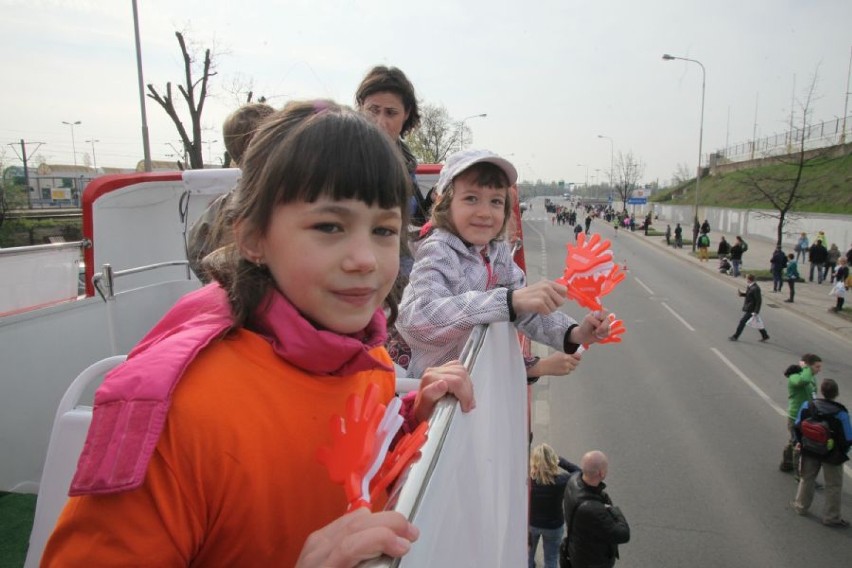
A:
x: 550, y: 74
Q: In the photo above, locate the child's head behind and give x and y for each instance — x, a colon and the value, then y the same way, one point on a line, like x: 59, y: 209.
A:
x: 309, y: 153
x: 241, y: 125
x: 469, y: 178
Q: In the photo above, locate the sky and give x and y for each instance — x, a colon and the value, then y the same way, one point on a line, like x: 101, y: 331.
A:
x: 551, y: 75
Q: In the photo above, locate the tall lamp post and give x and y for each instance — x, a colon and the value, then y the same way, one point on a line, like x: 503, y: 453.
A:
x: 461, y: 128
x: 587, y: 175
x: 611, y: 151
x: 73, y: 144
x: 667, y: 57
x: 94, y: 159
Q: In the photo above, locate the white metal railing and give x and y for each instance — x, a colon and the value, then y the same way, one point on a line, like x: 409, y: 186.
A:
x: 13, y: 251
x: 104, y: 283
x: 467, y: 493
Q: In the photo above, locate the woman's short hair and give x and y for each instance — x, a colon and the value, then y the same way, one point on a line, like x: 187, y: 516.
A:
x: 382, y: 79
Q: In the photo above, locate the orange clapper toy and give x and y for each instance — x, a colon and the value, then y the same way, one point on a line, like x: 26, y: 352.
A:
x: 359, y: 447
x: 589, y: 275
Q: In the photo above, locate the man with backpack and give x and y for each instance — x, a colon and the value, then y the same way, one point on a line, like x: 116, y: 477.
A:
x: 824, y: 433
x: 594, y: 526
x: 703, y: 245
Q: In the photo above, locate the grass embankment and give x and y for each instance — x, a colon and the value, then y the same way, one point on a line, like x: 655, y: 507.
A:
x: 826, y: 187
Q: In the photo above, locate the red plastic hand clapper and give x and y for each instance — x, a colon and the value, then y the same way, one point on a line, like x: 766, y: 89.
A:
x: 354, y: 446
x: 586, y: 257
x: 616, y: 330
x: 585, y: 290
x: 406, y: 450
x: 590, y: 275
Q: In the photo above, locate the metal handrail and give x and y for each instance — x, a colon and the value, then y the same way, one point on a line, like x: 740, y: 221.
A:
x: 108, y: 276
x: 11, y: 251
x: 410, y: 489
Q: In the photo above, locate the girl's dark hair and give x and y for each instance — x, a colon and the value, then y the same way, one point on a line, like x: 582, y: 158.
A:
x: 305, y: 151
x: 382, y: 79
x: 484, y: 174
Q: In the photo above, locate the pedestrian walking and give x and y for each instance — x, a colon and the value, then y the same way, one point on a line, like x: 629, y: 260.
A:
x: 836, y: 417
x: 832, y: 256
x: 777, y: 264
x: 840, y: 287
x: 817, y: 255
x: 802, y: 246
x: 724, y: 248
x: 737, y: 251
x: 703, y: 245
x: 751, y: 310
x: 792, y: 275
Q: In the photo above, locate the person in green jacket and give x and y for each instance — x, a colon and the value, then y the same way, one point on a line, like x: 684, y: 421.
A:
x: 801, y: 385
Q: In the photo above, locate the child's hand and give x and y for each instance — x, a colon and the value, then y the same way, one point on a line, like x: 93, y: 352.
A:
x: 556, y: 365
x: 358, y: 536
x: 593, y: 328
x: 436, y: 382
x: 540, y: 298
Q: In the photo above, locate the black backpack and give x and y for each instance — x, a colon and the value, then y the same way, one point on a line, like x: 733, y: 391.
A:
x: 817, y: 436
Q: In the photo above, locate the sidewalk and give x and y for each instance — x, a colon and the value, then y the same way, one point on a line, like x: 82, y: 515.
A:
x: 812, y: 300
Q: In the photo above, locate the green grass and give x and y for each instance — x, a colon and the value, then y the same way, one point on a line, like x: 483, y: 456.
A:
x: 826, y: 186
x: 16, y: 522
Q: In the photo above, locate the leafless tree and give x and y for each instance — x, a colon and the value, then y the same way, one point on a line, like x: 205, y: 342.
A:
x: 194, y: 91
x: 681, y: 174
x: 785, y: 183
x: 627, y: 171
x: 436, y: 136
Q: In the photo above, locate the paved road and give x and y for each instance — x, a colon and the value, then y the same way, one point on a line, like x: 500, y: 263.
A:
x: 693, y: 423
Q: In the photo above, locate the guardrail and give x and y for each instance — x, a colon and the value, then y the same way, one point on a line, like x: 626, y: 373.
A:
x: 468, y: 491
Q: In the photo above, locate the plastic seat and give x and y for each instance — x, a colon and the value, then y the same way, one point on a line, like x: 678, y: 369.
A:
x: 70, y: 427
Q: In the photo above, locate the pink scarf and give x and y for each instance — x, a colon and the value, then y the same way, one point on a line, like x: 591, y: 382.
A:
x: 132, y: 404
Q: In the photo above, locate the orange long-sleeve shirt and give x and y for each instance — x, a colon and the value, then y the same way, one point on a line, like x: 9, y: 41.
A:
x: 234, y: 480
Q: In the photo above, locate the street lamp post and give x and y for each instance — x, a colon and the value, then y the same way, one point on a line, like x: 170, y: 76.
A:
x: 73, y: 144
x: 461, y: 128
x: 587, y: 175
x: 611, y: 152
x: 94, y: 159
x: 667, y: 57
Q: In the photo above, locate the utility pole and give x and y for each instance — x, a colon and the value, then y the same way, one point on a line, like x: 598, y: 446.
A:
x: 846, y: 99
x: 23, y: 158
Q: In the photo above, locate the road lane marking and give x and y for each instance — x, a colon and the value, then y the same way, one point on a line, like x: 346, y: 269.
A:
x: 680, y: 319
x: 783, y: 412
x: 749, y: 382
x: 643, y: 285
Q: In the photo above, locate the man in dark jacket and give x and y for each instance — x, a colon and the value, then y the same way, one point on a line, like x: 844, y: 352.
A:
x: 594, y: 527
x: 837, y: 417
x: 777, y: 264
x: 817, y: 255
x: 751, y: 307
